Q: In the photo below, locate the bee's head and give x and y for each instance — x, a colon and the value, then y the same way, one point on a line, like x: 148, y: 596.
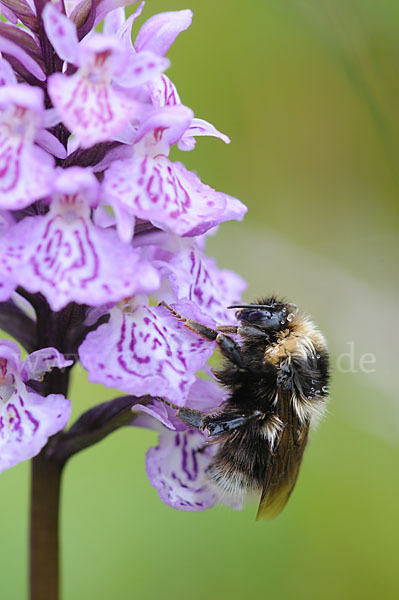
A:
x: 271, y: 315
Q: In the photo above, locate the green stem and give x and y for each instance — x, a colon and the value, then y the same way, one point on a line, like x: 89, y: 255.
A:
x: 44, y: 543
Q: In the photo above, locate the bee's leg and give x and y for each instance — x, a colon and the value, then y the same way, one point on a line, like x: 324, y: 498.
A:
x: 202, y: 330
x: 227, y: 328
x: 220, y: 423
x: 213, y: 424
x: 190, y: 416
x: 247, y: 330
x: 308, y: 378
x: 228, y: 347
x: 285, y: 375
x: 242, y: 330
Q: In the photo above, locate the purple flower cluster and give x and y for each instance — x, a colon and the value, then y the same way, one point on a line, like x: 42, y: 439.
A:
x: 98, y: 225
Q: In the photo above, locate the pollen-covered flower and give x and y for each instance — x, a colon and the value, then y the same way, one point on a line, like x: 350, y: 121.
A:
x: 27, y: 419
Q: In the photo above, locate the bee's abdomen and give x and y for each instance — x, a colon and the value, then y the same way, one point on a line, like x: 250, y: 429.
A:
x: 240, y: 463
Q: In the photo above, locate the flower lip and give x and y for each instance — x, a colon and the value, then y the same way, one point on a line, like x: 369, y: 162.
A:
x: 27, y: 419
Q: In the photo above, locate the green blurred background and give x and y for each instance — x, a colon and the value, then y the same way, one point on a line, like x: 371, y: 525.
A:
x: 308, y: 92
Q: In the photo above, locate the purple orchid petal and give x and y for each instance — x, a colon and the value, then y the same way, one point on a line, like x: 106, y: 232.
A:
x: 142, y: 67
x: 205, y: 395
x: 51, y: 117
x: 199, y: 127
x: 102, y: 217
x: 114, y: 20
x: 164, y: 92
x: 177, y: 466
x: 9, y: 47
x: 125, y: 223
x: 7, y: 286
x: 88, y: 103
x: 146, y: 350
x: 38, y: 363
x: 61, y: 32
x: 6, y: 220
x: 11, y: 354
x: 24, y: 96
x: 27, y: 419
x: 157, y: 412
x: 177, y: 469
x: 21, y: 162
x: 7, y: 75
x: 18, y: 170
x: 50, y: 143
x: 116, y: 24
x: 160, y: 31
x: 67, y: 258
x: 166, y: 194
x: 165, y: 125
x: 70, y: 259
x: 93, y: 314
x: 195, y: 277
x: 186, y: 144
x: 119, y: 152
x: 76, y: 181
x: 233, y: 209
x: 106, y: 6
x: 94, y: 113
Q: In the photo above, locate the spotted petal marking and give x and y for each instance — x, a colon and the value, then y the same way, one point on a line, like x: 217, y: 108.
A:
x: 164, y: 193
x: 73, y: 261
x: 27, y: 419
x: 164, y: 92
x: 176, y: 468
x: 145, y: 351
x: 19, y: 166
x: 91, y: 109
x: 198, y: 278
x: 21, y: 162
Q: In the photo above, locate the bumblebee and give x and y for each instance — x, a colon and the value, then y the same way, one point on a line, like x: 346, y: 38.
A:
x: 277, y: 377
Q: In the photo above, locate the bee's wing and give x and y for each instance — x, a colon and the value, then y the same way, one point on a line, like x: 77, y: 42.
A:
x: 283, y: 465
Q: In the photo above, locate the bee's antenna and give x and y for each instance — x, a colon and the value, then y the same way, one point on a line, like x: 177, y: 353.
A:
x: 255, y: 306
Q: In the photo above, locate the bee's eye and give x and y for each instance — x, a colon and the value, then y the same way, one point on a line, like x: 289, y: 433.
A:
x: 261, y: 316
x: 254, y: 316
x: 264, y: 318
